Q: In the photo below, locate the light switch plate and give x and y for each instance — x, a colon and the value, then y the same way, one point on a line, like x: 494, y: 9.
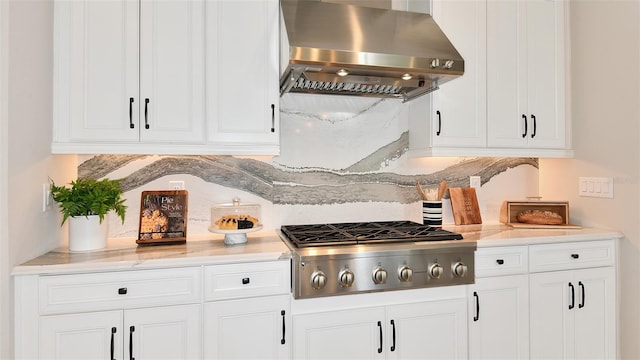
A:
x: 595, y: 187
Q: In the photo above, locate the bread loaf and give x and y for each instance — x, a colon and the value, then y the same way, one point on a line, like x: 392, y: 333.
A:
x: 540, y: 217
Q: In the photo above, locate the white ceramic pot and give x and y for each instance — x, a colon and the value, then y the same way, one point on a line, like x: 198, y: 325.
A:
x: 86, y: 233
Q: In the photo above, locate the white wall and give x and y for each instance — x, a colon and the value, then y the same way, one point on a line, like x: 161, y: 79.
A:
x: 605, y: 46
x: 25, y: 133
x: 5, y: 329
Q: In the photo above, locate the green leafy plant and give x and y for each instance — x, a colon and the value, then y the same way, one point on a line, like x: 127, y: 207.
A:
x: 89, y: 197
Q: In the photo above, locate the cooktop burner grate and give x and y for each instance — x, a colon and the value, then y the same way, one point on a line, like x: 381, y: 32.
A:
x: 364, y: 232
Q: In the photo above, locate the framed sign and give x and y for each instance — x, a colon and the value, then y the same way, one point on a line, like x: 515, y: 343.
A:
x: 163, y: 217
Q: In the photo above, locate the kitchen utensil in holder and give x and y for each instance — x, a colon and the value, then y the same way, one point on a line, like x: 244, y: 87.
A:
x: 235, y: 220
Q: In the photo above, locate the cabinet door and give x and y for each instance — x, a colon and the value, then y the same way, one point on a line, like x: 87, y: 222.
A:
x: 499, y: 318
x: 95, y: 70
x: 459, y: 106
x: 81, y: 336
x: 242, y: 75
x: 595, y: 318
x: 427, y: 330
x: 171, y: 103
x: 573, y: 314
x: 169, y: 332
x: 525, y: 74
x: 346, y: 334
x: 550, y: 298
x: 258, y: 328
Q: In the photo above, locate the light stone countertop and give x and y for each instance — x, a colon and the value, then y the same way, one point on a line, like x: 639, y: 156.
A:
x: 125, y: 254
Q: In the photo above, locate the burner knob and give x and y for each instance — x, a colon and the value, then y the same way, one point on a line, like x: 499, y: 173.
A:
x: 379, y: 275
x: 459, y: 269
x: 435, y: 271
x: 345, y: 278
x: 318, y: 280
x: 405, y: 274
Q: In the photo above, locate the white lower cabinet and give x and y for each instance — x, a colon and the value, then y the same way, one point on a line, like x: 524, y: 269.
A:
x: 257, y: 328
x: 573, y: 300
x: 499, y: 304
x: 423, y: 330
x: 247, y: 311
x: 171, y: 332
x: 499, y: 318
x: 573, y: 314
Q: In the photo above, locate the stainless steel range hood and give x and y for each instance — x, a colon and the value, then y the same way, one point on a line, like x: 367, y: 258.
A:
x: 329, y: 48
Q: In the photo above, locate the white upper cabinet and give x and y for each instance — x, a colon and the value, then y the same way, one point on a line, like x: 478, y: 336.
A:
x: 126, y: 73
x: 243, y: 100
x: 458, y: 113
x: 169, y: 77
x: 511, y: 99
x: 526, y: 78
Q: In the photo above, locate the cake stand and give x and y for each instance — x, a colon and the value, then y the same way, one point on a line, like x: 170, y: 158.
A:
x: 233, y: 237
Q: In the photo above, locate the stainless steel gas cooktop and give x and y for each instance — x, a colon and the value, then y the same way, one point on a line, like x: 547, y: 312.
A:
x: 349, y: 258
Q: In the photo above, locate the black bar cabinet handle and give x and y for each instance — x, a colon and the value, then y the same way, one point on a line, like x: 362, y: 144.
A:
x: 500, y: 261
x: 525, y: 126
x: 439, y: 123
x: 131, y: 330
x: 146, y: 113
x: 380, y: 328
x: 575, y: 256
x: 476, y: 317
x: 113, y: 333
x: 573, y: 297
x: 393, y: 336
x: 581, y: 305
x: 273, y: 118
x: 131, y: 125
x: 282, y: 341
x: 535, y: 125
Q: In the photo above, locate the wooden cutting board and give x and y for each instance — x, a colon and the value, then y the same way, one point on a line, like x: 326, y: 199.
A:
x: 464, y: 204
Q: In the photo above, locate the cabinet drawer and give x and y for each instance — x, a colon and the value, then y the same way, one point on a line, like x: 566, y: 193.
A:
x: 119, y: 290
x: 247, y: 280
x: 501, y: 261
x: 576, y: 255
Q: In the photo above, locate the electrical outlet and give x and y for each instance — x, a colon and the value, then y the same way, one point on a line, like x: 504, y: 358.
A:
x: 176, y: 185
x: 474, y: 182
x: 47, y: 199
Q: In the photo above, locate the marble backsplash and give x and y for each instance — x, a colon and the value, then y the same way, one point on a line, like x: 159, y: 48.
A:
x: 342, y: 159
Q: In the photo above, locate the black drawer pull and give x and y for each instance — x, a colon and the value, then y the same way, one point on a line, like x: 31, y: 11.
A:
x: 500, y: 261
x: 131, y: 126
x: 112, y: 347
x: 380, y: 328
x: 476, y: 317
x: 245, y: 281
x: 146, y: 113
x: 273, y: 118
x: 575, y: 256
x: 439, y: 123
x: 282, y: 341
x: 573, y: 296
x: 122, y: 291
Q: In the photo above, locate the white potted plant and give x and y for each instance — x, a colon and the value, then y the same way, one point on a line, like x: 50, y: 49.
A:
x: 85, y: 204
